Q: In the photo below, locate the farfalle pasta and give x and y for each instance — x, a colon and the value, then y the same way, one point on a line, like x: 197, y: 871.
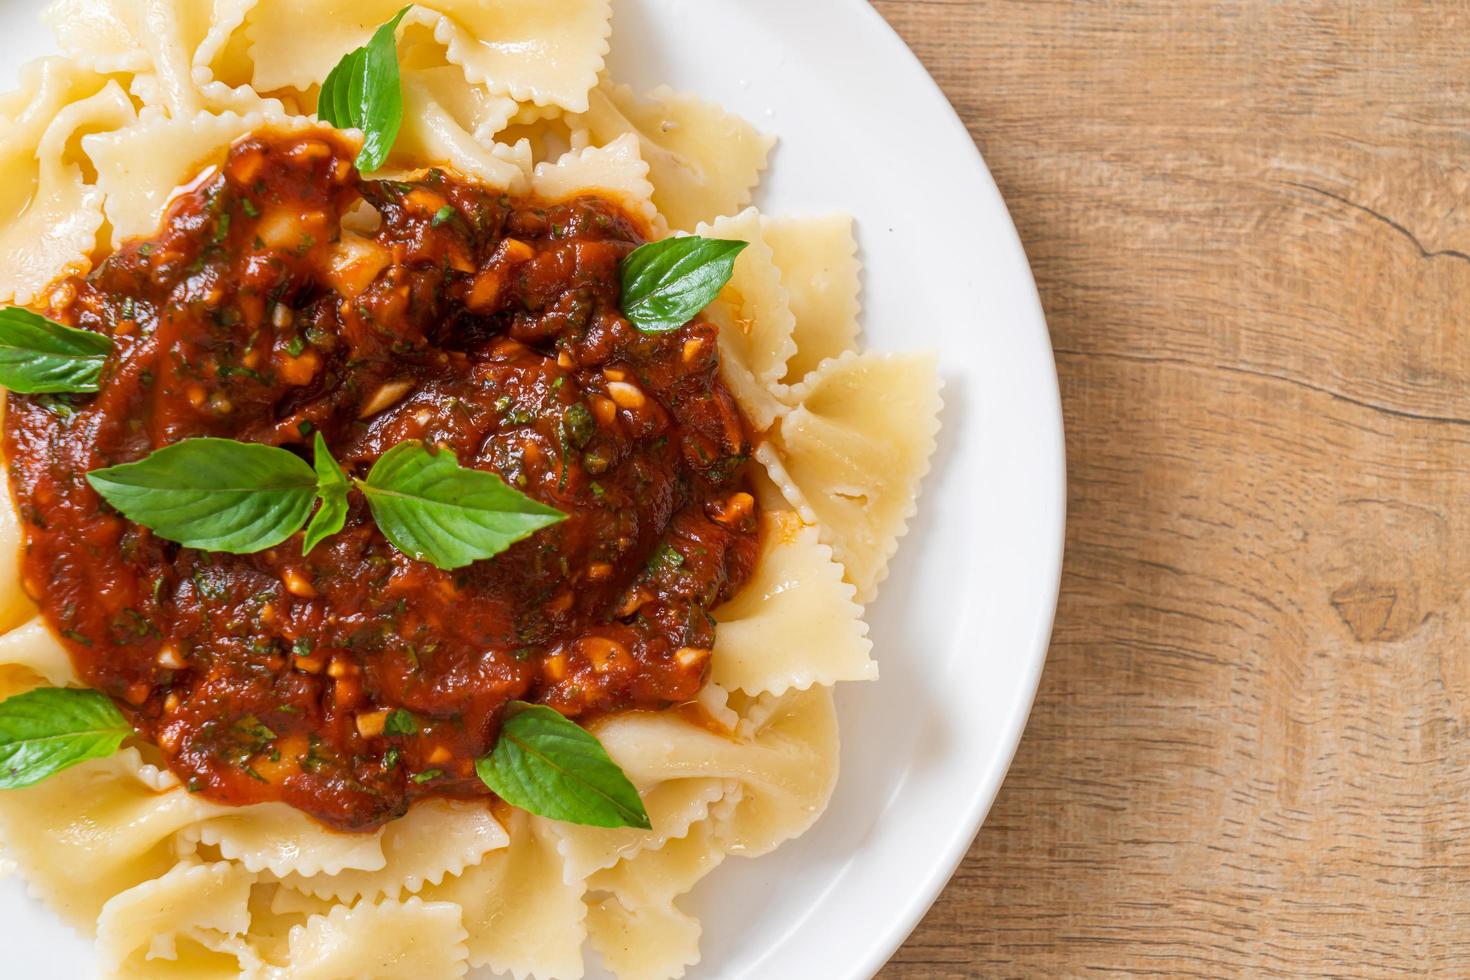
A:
x: 706, y: 162
x: 512, y: 134
x: 51, y: 214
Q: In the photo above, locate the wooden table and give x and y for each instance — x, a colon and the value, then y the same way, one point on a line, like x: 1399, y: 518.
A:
x: 1250, y: 224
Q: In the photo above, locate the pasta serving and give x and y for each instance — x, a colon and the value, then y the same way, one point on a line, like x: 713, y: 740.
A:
x: 389, y: 390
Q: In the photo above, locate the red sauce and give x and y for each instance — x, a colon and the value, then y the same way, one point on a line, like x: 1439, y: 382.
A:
x: 468, y: 319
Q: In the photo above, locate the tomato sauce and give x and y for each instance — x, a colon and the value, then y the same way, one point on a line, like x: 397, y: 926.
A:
x: 286, y: 295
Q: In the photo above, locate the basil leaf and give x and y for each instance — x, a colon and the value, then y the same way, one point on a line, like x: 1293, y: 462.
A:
x: 50, y: 729
x: 331, y: 487
x: 667, y: 283
x: 435, y: 510
x: 214, y: 494
x: 549, y: 765
x: 400, y: 722
x: 365, y: 92
x: 39, y: 356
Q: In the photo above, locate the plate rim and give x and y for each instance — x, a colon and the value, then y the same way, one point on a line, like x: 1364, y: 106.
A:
x: 883, y: 947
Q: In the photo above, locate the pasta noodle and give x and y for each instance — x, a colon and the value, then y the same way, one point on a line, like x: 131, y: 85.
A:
x: 136, y: 36
x: 139, y: 167
x: 547, y: 52
x: 165, y: 38
x: 280, y: 839
x: 853, y: 451
x: 819, y: 268
x: 673, y: 807
x: 523, y: 917
x: 704, y: 161
x: 443, y: 121
x: 215, y: 97
x: 275, y: 911
x: 757, y: 328
x: 436, y: 838
x: 49, y: 214
x: 202, y: 904
x: 785, y: 761
x: 795, y: 623
x: 36, y: 649
x: 511, y: 93
x: 643, y: 944
x: 615, y: 170
x: 85, y: 835
x: 658, y: 877
x: 386, y: 941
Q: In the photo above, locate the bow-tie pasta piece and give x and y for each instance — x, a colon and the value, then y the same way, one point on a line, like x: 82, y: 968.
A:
x: 479, y: 111
x: 635, y: 926
x: 207, y: 956
x: 795, y: 623
x: 187, y: 923
x: 215, y: 97
x: 755, y: 322
x: 286, y: 53
x: 544, y: 52
x: 95, y: 830
x: 523, y: 917
x: 643, y: 944
x: 448, y: 122
x: 615, y: 170
x: 703, y: 160
x: 672, y: 807
x: 275, y: 912
x: 165, y: 39
x: 436, y: 838
x: 786, y: 763
x: 852, y: 452
x: 445, y: 122
x: 45, y: 656
x: 49, y: 213
x: 548, y: 52
x: 820, y: 269
x: 552, y: 134
x: 139, y: 167
x: 792, y: 786
x: 31, y: 656
x: 389, y: 940
x: 284, y: 841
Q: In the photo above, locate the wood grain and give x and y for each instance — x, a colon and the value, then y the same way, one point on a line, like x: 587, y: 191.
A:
x: 1250, y: 225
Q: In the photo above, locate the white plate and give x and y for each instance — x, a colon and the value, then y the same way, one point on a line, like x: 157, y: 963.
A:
x: 962, y: 625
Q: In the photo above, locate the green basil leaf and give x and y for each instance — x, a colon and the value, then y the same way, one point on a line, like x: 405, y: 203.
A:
x: 331, y: 488
x: 50, y: 729
x: 39, y: 356
x: 214, y: 494
x: 365, y: 92
x: 435, y: 510
x: 667, y: 283
x: 400, y: 722
x: 549, y: 765
x: 334, y: 104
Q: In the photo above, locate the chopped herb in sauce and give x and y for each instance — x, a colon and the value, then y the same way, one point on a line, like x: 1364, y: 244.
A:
x: 400, y: 722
